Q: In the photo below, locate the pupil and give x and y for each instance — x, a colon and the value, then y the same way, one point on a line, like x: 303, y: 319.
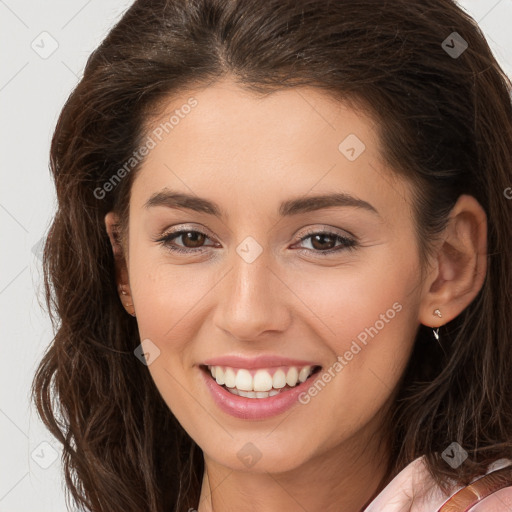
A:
x: 322, y: 237
x: 191, y: 235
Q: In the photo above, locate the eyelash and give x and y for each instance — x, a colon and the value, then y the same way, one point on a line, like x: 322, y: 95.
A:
x: 348, y: 243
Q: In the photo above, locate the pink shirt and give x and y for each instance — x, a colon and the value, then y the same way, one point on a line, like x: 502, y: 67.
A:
x: 413, y: 490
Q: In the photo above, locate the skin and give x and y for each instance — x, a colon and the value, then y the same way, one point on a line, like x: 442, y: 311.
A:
x: 249, y: 153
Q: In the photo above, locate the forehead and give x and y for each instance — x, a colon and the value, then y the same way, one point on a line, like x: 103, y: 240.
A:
x: 287, y: 115
x: 245, y: 148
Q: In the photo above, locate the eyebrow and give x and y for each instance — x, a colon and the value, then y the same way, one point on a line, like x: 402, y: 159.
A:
x: 287, y: 208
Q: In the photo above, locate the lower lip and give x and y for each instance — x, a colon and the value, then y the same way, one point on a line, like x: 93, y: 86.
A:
x: 254, y: 408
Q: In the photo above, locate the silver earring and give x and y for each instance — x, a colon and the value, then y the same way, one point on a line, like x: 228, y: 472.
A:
x: 437, y: 312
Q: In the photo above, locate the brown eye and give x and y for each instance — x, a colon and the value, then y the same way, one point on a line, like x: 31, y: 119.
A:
x: 323, y: 241
x: 193, y: 239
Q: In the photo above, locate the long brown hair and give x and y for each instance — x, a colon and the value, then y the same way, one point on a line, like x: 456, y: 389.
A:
x: 445, y: 124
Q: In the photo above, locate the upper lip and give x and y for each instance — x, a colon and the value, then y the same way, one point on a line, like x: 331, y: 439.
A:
x: 262, y: 361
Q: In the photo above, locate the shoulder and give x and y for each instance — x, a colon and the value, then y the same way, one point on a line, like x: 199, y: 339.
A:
x: 414, y: 490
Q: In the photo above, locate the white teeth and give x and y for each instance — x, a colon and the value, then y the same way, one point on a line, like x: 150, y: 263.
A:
x: 263, y: 384
x: 262, y: 381
x: 279, y: 380
x: 247, y: 394
x: 304, y: 373
x: 254, y: 394
x: 244, y: 380
x: 219, y: 375
x: 229, y: 378
x: 292, y: 376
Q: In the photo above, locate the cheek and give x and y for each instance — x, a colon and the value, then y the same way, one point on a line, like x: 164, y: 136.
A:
x: 167, y: 301
x: 167, y: 296
x: 368, y: 320
x: 354, y: 304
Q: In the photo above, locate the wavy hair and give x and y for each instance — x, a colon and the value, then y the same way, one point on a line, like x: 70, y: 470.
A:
x: 444, y: 123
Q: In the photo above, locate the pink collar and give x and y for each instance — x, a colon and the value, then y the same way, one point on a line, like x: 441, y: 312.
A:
x: 414, y: 490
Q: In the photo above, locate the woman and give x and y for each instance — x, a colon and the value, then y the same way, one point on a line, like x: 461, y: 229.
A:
x: 280, y: 268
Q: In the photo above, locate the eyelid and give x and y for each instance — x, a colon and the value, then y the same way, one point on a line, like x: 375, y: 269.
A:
x: 328, y: 229
x: 185, y: 227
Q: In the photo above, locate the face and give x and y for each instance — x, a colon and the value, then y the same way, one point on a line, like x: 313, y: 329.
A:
x: 304, y: 310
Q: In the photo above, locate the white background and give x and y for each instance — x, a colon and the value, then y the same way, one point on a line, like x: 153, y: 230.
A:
x: 32, y: 92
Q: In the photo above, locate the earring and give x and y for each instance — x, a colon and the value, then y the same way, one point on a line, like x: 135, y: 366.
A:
x: 437, y: 312
x: 126, y: 305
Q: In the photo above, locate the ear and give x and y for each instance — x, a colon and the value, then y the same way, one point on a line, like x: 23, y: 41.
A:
x: 119, y: 249
x: 460, y: 265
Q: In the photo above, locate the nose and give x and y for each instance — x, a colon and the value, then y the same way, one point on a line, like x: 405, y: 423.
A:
x: 252, y: 299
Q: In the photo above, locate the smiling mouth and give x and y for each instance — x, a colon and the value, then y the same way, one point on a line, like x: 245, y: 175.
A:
x: 260, y: 383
